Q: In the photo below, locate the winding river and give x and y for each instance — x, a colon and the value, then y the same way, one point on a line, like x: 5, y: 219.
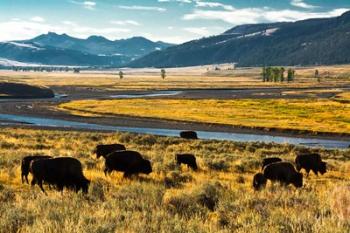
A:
x: 237, y: 137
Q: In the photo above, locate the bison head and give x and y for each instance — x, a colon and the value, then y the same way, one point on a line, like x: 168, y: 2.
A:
x: 146, y: 167
x: 298, y: 180
x: 323, y: 168
x: 259, y: 181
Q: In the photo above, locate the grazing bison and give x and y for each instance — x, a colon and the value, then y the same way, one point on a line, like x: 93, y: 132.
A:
x: 310, y: 162
x: 283, y: 172
x: 268, y: 161
x: 188, y: 135
x: 129, y: 162
x: 104, y: 150
x: 259, y: 181
x: 61, y: 172
x: 188, y: 159
x: 25, y: 165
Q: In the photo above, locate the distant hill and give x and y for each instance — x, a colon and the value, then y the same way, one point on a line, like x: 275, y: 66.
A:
x: 55, y: 49
x: 20, y: 90
x: 307, y: 42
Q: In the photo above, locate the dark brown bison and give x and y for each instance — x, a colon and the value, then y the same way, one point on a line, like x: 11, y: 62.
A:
x: 311, y: 162
x: 129, y: 162
x: 25, y: 165
x: 187, y: 159
x: 283, y: 172
x: 104, y: 150
x: 61, y: 171
x: 268, y: 161
x: 259, y: 181
x: 188, y: 135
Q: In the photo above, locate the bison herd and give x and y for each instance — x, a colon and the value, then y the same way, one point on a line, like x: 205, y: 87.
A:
x: 274, y: 169
x: 67, y: 172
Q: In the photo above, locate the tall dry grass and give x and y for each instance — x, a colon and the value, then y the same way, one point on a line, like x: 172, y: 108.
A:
x: 218, y: 198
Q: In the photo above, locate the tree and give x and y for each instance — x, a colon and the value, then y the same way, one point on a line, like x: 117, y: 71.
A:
x: 264, y: 74
x: 163, y: 73
x: 121, y: 74
x: 291, y: 74
x: 317, y: 76
x: 282, y: 70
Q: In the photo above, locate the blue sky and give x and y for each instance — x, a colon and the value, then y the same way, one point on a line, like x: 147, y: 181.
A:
x: 168, y: 20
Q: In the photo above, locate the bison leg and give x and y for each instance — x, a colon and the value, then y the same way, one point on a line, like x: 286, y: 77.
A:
x: 127, y: 175
x: 22, y: 178
x: 107, y: 171
x: 40, y: 183
x: 315, y: 172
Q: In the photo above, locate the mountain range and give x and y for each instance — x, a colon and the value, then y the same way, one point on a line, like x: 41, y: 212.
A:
x: 55, y: 49
x: 323, y: 41
x: 307, y: 42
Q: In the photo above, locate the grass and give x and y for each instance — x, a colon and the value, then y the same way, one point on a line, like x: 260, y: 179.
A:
x: 316, y: 115
x: 170, y: 199
x: 178, y: 78
x: 343, y: 97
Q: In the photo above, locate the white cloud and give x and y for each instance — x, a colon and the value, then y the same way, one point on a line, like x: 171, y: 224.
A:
x: 213, y: 5
x: 302, y: 4
x: 22, y: 29
x: 36, y: 19
x: 181, y: 1
x: 125, y: 22
x: 142, y: 8
x: 202, y: 31
x: 89, y: 5
x: 258, y: 15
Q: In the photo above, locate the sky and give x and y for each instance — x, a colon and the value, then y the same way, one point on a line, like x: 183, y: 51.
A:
x: 174, y: 21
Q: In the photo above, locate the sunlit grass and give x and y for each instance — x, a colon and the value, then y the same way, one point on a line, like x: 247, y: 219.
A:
x: 316, y: 115
x: 170, y: 199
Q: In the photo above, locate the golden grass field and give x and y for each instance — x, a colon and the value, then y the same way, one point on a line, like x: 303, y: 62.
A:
x: 178, y: 78
x: 316, y: 115
x: 170, y: 199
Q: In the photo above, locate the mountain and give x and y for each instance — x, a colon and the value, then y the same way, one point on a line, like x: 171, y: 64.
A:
x: 134, y: 47
x: 55, y: 49
x: 306, y: 42
x: 36, y: 54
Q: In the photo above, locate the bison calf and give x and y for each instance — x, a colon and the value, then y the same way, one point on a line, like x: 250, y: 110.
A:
x: 188, y: 135
x: 62, y: 172
x: 129, y: 162
x: 310, y: 162
x: 104, y: 150
x: 283, y: 172
x: 259, y: 181
x: 26, y: 163
x: 268, y: 161
x: 187, y: 159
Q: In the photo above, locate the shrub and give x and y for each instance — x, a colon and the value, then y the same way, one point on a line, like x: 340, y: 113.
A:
x: 217, y: 164
x: 176, y: 179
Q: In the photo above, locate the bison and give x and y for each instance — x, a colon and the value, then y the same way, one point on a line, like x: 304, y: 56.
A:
x: 61, y: 172
x: 259, y: 181
x: 188, y: 159
x: 104, y: 150
x: 129, y: 162
x: 188, y: 135
x: 283, y: 172
x: 25, y: 165
x: 268, y: 161
x: 310, y: 162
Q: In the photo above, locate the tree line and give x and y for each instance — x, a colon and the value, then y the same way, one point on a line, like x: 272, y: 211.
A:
x: 277, y: 74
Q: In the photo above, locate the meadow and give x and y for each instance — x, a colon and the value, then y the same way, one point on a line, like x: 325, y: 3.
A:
x: 178, y: 78
x: 217, y: 198
x: 313, y: 115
